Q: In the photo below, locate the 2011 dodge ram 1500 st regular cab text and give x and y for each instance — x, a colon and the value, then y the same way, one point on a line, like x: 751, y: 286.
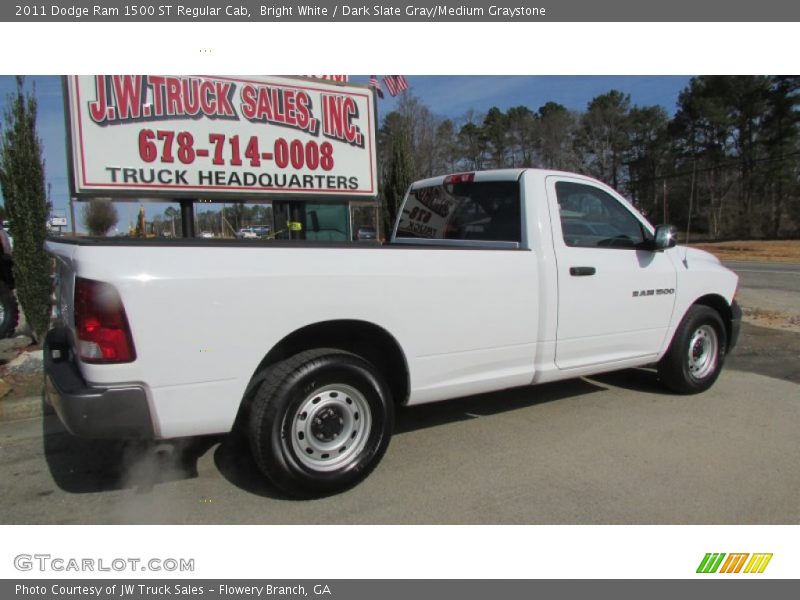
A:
x: 492, y: 280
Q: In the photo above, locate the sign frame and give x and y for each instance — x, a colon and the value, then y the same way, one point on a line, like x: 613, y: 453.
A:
x: 364, y: 186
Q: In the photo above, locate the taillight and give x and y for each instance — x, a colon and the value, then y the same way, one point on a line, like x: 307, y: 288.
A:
x: 459, y: 178
x: 102, y: 327
x: 451, y: 181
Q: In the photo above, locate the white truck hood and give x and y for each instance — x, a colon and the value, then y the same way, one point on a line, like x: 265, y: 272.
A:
x: 694, y: 254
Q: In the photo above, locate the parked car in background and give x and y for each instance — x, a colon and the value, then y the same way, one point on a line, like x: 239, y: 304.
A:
x: 254, y: 232
x: 246, y: 233
x: 207, y: 235
x: 9, y: 309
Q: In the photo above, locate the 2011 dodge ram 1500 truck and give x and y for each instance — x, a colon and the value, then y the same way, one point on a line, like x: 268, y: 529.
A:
x: 491, y: 280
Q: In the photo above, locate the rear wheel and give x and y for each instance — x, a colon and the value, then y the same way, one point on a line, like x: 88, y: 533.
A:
x: 320, y: 421
x: 695, y: 357
x: 9, y: 310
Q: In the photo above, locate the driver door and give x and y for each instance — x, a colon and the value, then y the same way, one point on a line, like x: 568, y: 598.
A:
x: 615, y: 298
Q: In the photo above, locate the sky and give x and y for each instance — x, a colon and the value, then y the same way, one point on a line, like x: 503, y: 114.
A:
x: 446, y: 96
x: 452, y: 96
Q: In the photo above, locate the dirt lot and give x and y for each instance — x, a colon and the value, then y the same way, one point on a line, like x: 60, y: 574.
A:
x: 772, y: 319
x: 24, y: 385
x: 754, y: 250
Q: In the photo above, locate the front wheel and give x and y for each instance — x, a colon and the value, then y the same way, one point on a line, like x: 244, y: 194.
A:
x: 320, y: 421
x: 695, y: 357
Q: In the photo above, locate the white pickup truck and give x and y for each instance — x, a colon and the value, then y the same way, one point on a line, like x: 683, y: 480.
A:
x: 491, y: 280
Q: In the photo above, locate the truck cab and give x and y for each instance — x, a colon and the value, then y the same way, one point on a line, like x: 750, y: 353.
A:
x: 613, y: 286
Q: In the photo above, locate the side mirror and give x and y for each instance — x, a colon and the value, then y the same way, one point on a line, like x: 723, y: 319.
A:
x: 665, y: 237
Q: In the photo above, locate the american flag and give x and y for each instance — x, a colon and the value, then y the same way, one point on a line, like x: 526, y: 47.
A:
x: 395, y: 84
x: 373, y: 82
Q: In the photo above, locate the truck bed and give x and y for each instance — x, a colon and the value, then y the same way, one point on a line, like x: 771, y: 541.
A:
x: 205, y: 313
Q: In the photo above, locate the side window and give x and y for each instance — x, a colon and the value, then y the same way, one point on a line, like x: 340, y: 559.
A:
x: 488, y: 211
x: 591, y: 218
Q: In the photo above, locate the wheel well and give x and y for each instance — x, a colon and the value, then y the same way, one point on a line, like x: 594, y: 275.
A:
x: 719, y: 304
x: 373, y: 343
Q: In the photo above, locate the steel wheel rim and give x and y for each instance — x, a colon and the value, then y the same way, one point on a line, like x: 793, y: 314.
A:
x: 330, y: 427
x: 703, y: 351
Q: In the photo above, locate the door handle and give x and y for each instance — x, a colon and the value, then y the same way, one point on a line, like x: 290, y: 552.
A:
x: 582, y: 271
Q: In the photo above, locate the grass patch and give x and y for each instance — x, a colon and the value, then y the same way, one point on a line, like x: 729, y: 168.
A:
x: 787, y: 251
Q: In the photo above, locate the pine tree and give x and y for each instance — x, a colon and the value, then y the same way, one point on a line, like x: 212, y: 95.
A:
x: 399, y: 174
x: 22, y: 183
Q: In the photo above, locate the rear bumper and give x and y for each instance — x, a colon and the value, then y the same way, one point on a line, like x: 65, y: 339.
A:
x: 736, y: 325
x: 91, y: 412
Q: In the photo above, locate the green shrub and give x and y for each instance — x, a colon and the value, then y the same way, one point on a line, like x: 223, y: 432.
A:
x: 23, y: 188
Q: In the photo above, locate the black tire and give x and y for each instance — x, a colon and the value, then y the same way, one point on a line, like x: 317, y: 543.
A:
x: 9, y: 311
x: 320, y: 422
x: 697, y: 352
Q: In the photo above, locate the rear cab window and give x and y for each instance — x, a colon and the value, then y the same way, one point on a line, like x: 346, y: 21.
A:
x: 463, y: 210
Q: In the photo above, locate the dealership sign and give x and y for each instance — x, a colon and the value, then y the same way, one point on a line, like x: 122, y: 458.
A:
x: 220, y: 137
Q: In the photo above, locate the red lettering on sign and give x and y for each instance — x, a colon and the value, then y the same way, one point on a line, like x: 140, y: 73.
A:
x: 174, y: 103
x: 98, y: 108
x: 157, y: 84
x: 129, y: 94
x: 207, y: 104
